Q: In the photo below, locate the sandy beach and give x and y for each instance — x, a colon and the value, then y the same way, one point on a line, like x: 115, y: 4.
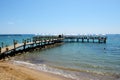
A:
x: 9, y: 71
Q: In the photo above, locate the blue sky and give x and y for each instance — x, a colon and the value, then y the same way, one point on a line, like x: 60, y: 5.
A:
x: 60, y: 16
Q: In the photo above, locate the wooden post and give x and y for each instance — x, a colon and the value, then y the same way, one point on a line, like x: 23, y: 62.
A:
x: 93, y: 40
x: 45, y: 42
x: 7, y: 48
x: 99, y: 40
x: 77, y: 39
x: 24, y: 44
x: 39, y: 41
x: 82, y: 39
x: 87, y: 40
x: 14, y: 42
x: 2, y: 44
x: 0, y: 49
x: 33, y: 39
x: 104, y: 40
x: 36, y: 41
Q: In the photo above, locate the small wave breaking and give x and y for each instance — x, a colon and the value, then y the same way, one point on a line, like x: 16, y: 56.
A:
x: 65, y: 73
x: 45, y: 68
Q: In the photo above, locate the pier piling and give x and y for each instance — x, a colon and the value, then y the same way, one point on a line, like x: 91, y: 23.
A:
x: 0, y: 49
x: 2, y: 44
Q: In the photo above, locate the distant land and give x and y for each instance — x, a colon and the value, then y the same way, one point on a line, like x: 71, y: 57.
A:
x: 15, y: 34
x: 51, y: 34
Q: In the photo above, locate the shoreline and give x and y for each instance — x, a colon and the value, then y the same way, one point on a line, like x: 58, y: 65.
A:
x: 9, y: 71
x: 12, y: 71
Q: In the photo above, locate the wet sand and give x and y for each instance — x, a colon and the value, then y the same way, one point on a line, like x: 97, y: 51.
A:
x: 9, y: 71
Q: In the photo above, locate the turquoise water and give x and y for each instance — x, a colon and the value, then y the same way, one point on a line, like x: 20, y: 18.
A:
x: 78, y: 61
x: 8, y: 40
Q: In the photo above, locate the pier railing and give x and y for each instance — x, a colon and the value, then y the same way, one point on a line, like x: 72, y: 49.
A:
x: 29, y: 45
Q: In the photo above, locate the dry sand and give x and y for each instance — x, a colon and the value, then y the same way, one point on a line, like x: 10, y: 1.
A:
x: 9, y: 71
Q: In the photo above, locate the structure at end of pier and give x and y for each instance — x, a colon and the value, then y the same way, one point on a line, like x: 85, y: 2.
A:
x: 86, y: 38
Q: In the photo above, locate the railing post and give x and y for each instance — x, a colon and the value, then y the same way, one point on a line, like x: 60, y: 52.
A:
x: 24, y: 44
x: 99, y: 40
x: 14, y: 42
x: 2, y: 44
x: 93, y: 40
x: 0, y: 49
x: 105, y: 40
x: 82, y: 40
x: 7, y: 48
x: 87, y: 40
x: 27, y: 40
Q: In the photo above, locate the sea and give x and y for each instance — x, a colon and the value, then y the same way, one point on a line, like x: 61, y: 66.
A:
x: 75, y: 60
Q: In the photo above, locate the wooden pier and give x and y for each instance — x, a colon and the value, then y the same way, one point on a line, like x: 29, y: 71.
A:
x: 39, y: 42
x: 85, y: 38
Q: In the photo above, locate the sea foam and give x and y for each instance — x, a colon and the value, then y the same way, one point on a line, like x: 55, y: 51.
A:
x: 45, y: 68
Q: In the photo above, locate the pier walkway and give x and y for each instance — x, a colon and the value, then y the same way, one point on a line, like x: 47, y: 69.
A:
x: 45, y: 41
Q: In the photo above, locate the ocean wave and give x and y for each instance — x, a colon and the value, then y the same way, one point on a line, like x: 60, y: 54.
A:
x: 45, y: 68
x: 78, y: 70
x: 71, y: 73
